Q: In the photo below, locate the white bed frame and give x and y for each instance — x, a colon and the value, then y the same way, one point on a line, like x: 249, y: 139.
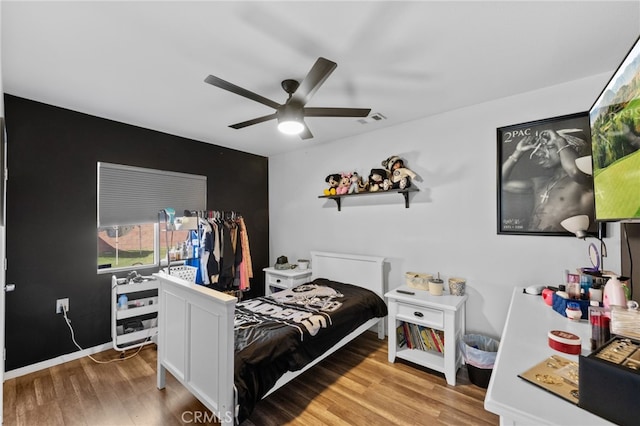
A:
x: 195, y: 329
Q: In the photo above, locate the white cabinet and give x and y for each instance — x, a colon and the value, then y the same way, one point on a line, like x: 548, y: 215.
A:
x: 444, y: 313
x: 135, y: 323
x: 281, y: 279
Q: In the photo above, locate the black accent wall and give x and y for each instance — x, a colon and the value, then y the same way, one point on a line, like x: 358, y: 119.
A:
x: 51, y: 217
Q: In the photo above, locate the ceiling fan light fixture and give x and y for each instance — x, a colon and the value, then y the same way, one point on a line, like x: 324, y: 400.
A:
x: 290, y: 126
x: 290, y: 120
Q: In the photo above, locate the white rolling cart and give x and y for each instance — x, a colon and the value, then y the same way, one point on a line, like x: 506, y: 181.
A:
x: 137, y: 308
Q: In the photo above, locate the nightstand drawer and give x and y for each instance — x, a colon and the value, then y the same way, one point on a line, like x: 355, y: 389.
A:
x: 282, y: 279
x: 421, y: 315
x: 279, y: 280
x: 288, y: 282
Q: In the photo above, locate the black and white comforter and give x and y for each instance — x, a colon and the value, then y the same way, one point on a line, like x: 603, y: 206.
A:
x: 290, y: 328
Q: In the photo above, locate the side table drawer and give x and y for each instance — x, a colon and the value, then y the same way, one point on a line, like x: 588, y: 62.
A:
x: 279, y: 280
x: 282, y: 281
x: 421, y: 315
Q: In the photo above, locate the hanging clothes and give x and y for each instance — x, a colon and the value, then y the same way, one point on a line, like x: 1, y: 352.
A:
x: 246, y: 268
x: 227, y: 255
x: 214, y: 242
x: 205, y: 239
x: 226, y: 259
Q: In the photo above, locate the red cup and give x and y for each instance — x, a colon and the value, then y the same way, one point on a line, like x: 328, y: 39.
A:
x: 547, y: 296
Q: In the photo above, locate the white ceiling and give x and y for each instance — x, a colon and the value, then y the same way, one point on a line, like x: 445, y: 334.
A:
x: 144, y: 62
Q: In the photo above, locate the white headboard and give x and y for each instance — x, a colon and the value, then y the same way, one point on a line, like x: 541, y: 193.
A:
x: 363, y: 271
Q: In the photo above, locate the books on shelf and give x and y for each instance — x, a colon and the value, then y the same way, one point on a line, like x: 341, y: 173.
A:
x: 415, y: 336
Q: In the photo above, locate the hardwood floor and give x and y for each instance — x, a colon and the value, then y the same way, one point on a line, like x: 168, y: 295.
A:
x: 355, y: 386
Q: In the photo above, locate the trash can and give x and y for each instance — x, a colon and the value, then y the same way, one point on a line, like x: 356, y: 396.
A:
x: 479, y: 353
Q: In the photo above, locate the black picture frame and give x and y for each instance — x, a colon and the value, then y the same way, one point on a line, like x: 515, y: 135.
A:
x: 538, y: 187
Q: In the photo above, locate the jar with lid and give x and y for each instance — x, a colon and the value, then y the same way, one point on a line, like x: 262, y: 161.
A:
x: 573, y: 311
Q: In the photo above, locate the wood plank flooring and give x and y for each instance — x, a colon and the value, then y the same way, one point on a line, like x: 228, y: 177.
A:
x: 355, y: 386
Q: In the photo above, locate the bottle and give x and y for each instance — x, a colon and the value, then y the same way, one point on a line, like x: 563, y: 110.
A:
x: 600, y: 332
x: 195, y: 244
x: 595, y: 292
x: 573, y: 290
x: 614, y: 294
x: 123, y: 301
x: 583, y: 295
x: 585, y: 284
x: 573, y: 286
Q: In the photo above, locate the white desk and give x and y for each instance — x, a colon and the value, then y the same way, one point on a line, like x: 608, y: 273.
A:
x: 522, y: 345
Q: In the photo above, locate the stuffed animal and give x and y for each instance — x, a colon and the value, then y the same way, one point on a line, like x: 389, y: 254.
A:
x: 363, y: 185
x: 399, y: 175
x: 345, y: 183
x: 379, y: 180
x: 354, y: 187
x: 333, y: 180
x: 401, y: 178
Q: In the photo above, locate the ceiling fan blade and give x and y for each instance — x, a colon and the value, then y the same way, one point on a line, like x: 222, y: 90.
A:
x: 336, y: 112
x: 254, y: 121
x: 218, y: 82
x: 320, y: 71
x: 306, y: 133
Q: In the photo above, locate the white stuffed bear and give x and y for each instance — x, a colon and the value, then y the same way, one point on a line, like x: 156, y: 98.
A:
x: 399, y: 175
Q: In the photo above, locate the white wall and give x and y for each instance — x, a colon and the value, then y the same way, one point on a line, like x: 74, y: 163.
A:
x: 451, y: 225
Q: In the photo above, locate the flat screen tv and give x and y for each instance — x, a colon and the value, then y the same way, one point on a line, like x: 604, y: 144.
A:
x: 614, y: 119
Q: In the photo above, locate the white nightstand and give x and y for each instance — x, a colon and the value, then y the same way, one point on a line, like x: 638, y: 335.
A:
x: 444, y: 313
x: 280, y: 279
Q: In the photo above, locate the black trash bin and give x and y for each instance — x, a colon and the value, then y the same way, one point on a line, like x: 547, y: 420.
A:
x: 479, y: 353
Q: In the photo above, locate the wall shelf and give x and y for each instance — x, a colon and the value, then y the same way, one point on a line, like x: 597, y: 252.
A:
x: 404, y: 192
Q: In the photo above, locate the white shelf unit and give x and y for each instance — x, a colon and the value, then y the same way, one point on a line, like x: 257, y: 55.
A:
x: 148, y: 305
x: 446, y: 313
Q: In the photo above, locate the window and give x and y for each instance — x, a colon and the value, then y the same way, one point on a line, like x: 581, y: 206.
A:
x: 127, y: 246
x: 129, y: 199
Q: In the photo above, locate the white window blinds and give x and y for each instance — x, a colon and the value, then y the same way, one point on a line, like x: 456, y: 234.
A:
x: 132, y: 195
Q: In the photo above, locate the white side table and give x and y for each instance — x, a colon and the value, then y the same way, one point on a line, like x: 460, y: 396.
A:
x: 281, y: 279
x: 446, y: 313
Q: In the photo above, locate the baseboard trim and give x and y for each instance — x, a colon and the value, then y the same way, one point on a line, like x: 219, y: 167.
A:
x: 11, y: 374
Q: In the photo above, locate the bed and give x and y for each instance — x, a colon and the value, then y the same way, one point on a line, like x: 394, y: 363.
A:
x: 201, y: 341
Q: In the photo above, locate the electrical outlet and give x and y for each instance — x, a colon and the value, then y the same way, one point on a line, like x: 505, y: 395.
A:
x: 62, y: 304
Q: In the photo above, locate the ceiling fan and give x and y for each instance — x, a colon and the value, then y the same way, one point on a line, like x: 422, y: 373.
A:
x: 290, y: 115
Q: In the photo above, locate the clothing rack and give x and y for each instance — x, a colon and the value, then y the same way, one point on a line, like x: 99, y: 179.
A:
x: 214, y: 214
x: 224, y: 221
